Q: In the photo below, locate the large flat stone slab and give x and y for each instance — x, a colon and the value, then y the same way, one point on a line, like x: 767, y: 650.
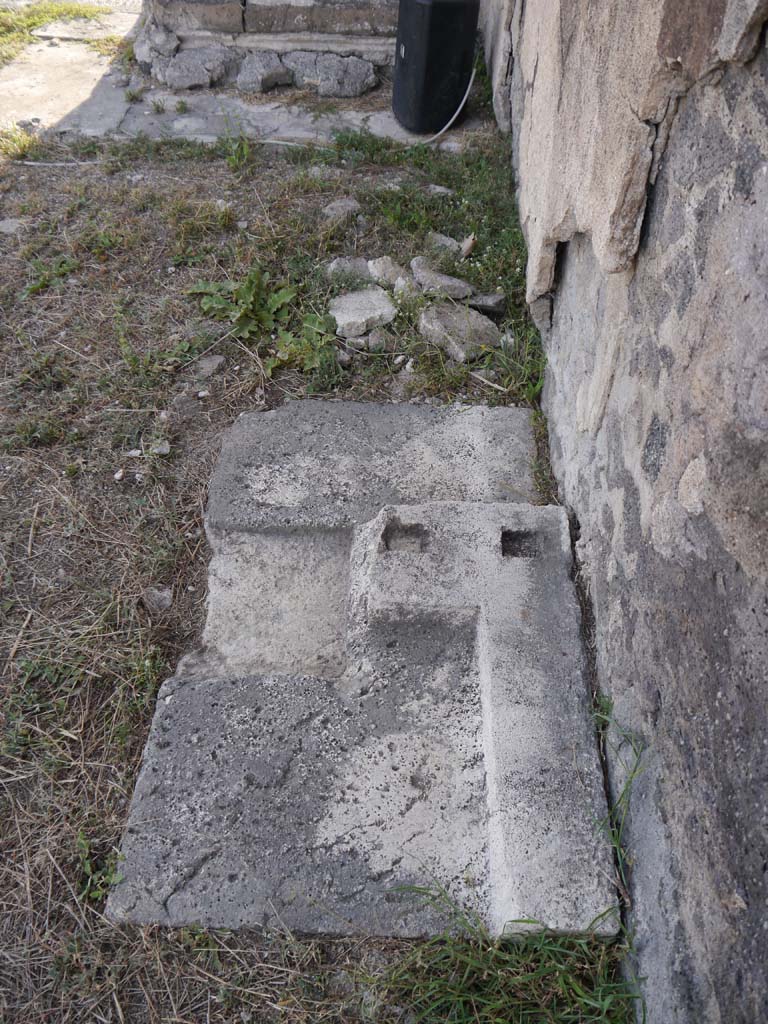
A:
x: 390, y: 690
x: 330, y: 464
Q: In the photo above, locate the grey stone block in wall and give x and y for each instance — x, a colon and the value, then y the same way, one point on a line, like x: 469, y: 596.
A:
x: 200, y: 67
x: 261, y: 72
x: 344, y: 76
x: 388, y: 695
x: 153, y: 42
x: 376, y: 17
x: 330, y: 74
x: 183, y: 16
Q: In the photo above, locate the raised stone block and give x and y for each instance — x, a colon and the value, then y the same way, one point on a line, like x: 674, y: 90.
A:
x: 182, y: 16
x: 377, y: 17
x: 261, y: 72
x: 390, y: 691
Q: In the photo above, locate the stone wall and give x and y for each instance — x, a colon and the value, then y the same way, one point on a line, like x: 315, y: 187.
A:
x: 641, y: 147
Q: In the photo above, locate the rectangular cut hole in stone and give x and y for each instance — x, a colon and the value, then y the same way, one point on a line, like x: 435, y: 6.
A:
x: 399, y: 536
x: 519, y: 544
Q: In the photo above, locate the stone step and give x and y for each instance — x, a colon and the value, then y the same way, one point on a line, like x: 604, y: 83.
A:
x: 371, y: 18
x: 378, y: 49
x: 390, y: 691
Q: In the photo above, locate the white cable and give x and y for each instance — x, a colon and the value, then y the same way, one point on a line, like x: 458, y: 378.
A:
x: 461, y: 107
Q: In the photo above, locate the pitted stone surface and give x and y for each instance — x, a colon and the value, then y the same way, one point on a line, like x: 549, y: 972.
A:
x: 435, y: 283
x: 331, y: 74
x: 335, y: 464
x: 197, y: 68
x: 462, y: 333
x: 372, y: 18
x: 356, y: 313
x: 261, y: 72
x: 390, y: 691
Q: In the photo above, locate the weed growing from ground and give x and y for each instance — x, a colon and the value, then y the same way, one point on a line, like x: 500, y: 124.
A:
x: 45, y: 274
x: 466, y: 976
x: 254, y: 306
x: 238, y: 153
x: 17, y: 26
x: 18, y: 144
x: 627, y: 750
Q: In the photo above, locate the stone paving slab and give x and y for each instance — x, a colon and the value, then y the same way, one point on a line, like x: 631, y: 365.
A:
x: 330, y: 464
x: 112, y: 23
x: 73, y: 90
x: 390, y: 691
x: 60, y: 83
x: 68, y: 85
x: 509, y: 566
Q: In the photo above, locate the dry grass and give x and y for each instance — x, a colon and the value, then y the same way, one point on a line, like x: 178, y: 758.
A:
x: 17, y: 26
x: 101, y: 350
x: 98, y: 340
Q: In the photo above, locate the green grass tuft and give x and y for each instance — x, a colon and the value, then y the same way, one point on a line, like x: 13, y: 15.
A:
x: 16, y: 27
x: 465, y: 976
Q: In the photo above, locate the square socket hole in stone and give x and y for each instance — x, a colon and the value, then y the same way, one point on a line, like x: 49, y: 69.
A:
x: 399, y: 536
x: 519, y: 544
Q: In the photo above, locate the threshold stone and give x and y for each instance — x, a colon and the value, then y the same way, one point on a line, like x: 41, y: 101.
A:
x: 390, y: 690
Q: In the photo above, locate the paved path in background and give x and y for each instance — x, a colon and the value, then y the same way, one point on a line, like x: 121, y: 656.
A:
x: 61, y: 83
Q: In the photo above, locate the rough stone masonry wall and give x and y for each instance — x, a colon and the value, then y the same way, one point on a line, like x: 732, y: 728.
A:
x: 640, y: 134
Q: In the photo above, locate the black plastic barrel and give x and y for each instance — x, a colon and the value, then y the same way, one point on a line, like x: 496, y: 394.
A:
x: 433, y: 63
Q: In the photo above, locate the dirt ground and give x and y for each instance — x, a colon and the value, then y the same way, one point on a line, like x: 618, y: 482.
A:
x: 111, y: 421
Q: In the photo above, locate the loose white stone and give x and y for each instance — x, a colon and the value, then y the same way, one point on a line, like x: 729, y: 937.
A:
x: 208, y: 365
x: 494, y: 303
x: 462, y: 333
x: 385, y: 271
x: 439, y: 284
x: 343, y: 266
x: 341, y: 210
x: 406, y: 287
x: 438, y: 241
x: 357, y: 313
x: 157, y: 600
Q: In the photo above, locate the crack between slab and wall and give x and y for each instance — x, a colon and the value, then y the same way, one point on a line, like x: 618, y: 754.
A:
x: 589, y: 653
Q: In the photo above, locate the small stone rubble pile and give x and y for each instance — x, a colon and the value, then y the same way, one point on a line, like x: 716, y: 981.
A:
x: 329, y: 74
x: 456, y: 321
